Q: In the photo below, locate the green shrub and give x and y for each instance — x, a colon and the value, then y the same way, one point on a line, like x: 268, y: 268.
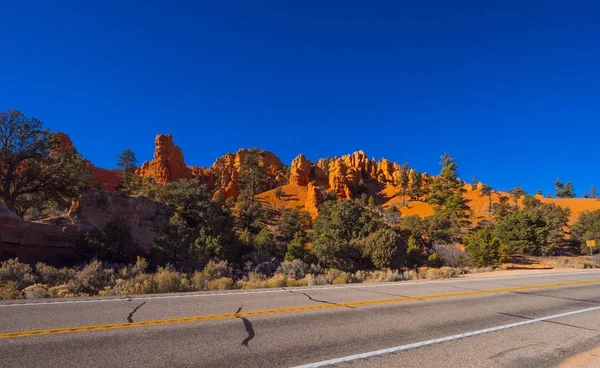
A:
x: 52, y: 276
x: 434, y: 261
x: 19, y: 273
x: 91, y: 279
x: 385, y: 248
x: 484, y: 249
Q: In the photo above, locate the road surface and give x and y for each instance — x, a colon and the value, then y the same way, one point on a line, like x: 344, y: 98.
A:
x: 531, y: 320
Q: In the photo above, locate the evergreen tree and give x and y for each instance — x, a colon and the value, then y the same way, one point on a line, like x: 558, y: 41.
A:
x: 415, y: 189
x: 447, y: 191
x: 517, y: 193
x: 252, y: 182
x: 127, y: 162
x: 487, y: 190
x: 564, y: 190
x: 404, y: 180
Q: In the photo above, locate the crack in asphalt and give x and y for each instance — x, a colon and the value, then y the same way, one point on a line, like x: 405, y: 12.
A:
x: 553, y: 322
x: 249, y: 329
x: 381, y: 292
x: 510, y: 350
x: 129, y: 317
x: 317, y: 300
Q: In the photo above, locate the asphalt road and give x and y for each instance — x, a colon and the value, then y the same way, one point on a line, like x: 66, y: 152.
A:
x: 537, y: 320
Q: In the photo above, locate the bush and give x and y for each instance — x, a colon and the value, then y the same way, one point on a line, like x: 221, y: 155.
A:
x: 295, y: 269
x: 443, y: 273
x: 19, y: 273
x: 224, y: 283
x: 91, y: 279
x: 484, y: 249
x: 8, y: 290
x: 169, y: 281
x: 140, y: 284
x: 587, y: 227
x: 216, y: 270
x: 414, y: 253
x: 434, y: 261
x: 277, y: 281
x: 296, y: 248
x: 385, y: 248
x: 52, y: 276
x: 337, y: 227
x: 36, y: 291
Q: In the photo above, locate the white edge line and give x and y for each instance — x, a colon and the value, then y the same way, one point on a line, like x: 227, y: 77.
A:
x: 315, y: 288
x: 437, y: 341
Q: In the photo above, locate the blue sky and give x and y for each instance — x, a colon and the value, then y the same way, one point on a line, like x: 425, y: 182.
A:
x: 510, y: 89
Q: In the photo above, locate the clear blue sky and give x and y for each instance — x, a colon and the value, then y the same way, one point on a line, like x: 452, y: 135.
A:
x: 510, y: 89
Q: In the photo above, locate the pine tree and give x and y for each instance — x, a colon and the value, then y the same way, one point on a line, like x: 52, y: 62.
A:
x: 252, y: 182
x: 564, y: 190
x: 487, y: 190
x: 404, y: 180
x: 447, y: 191
x: 127, y: 162
x: 415, y: 188
x: 517, y: 193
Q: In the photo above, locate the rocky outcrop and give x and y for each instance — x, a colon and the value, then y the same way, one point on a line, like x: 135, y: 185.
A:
x: 144, y: 216
x: 300, y: 171
x: 314, y: 198
x: 33, y: 242
x: 229, y: 167
x: 168, y: 164
x: 338, y: 179
x: 388, y: 172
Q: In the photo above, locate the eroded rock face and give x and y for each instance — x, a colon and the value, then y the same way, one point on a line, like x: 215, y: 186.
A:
x: 300, y: 171
x: 33, y: 242
x: 144, y: 216
x: 314, y: 198
x: 168, y: 163
x: 338, y: 179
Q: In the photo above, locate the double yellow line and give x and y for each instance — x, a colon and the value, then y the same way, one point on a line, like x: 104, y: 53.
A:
x: 52, y: 331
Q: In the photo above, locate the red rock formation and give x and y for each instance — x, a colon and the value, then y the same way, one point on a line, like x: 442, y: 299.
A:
x: 229, y: 167
x: 314, y: 198
x: 168, y: 164
x: 110, y: 179
x: 338, y: 179
x: 300, y: 171
x: 387, y: 171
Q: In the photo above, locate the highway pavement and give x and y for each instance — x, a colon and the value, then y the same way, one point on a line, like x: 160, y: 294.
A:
x: 536, y: 319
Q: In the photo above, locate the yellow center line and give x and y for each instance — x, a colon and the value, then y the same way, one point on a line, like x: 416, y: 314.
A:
x: 52, y: 331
